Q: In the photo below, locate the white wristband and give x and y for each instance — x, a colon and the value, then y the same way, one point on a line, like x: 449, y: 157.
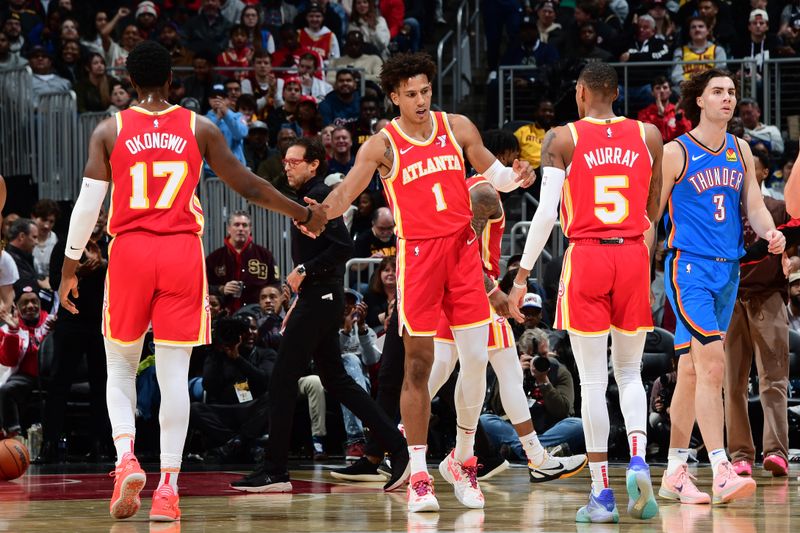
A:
x: 520, y: 285
x: 84, y: 216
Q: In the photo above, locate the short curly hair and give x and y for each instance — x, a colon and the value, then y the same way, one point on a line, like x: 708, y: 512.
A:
x: 693, y: 88
x: 149, y: 65
x: 401, y: 67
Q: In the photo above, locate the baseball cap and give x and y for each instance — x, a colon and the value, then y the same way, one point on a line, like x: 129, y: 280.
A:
x: 758, y: 13
x: 334, y: 179
x: 308, y: 98
x: 146, y: 7
x: 531, y: 300
x: 292, y: 79
x: 315, y: 7
x: 38, y: 50
x: 218, y: 90
x: 257, y: 125
x: 794, y: 276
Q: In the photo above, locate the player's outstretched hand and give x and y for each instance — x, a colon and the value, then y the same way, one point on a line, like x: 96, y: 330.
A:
x: 69, y: 286
x: 499, y: 301
x: 525, y: 174
x: 514, y: 301
x: 777, y: 241
x: 318, y: 216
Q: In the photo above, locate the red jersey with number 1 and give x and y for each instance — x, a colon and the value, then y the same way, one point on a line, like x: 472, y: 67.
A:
x: 426, y: 188
x: 492, y: 237
x: 155, y: 169
x: 605, y: 192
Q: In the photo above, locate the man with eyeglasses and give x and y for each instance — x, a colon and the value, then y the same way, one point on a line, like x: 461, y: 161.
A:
x: 318, y: 279
x: 378, y: 243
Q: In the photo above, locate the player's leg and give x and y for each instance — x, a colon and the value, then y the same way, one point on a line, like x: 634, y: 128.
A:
x: 592, y: 363
x: 626, y: 358
x: 172, y: 372
x: 541, y: 467
x: 445, y: 357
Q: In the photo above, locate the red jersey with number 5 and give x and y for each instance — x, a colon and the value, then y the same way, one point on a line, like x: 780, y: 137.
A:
x: 426, y: 188
x: 605, y: 192
x: 491, y: 239
x: 155, y: 169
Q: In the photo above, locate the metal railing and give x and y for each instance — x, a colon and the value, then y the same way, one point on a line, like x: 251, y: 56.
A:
x: 775, y: 73
x: 455, y: 55
x: 269, y: 229
x: 16, y: 123
x: 370, y: 262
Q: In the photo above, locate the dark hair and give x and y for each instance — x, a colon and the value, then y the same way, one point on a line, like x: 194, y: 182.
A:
x: 500, y: 141
x: 344, y: 72
x: 261, y: 53
x: 314, y: 152
x: 694, y: 18
x: 401, y: 67
x: 749, y: 101
x: 660, y: 80
x: 309, y: 55
x: 599, y: 78
x: 693, y: 88
x: 248, y: 101
x: 217, y: 293
x: 206, y: 54
x: 376, y: 283
x: 237, y: 28
x: 229, y: 330
x: 589, y: 7
x: 21, y: 226
x: 45, y: 208
x: 761, y: 156
x: 149, y: 65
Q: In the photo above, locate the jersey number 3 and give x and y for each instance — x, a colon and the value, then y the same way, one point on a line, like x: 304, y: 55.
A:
x: 606, y: 195
x: 174, y: 171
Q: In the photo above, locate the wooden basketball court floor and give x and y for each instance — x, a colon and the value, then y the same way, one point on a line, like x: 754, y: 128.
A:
x: 41, y: 502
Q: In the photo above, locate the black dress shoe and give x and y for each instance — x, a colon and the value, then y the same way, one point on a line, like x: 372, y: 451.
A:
x: 260, y: 481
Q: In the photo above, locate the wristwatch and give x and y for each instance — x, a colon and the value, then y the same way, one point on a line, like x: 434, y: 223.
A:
x: 301, y: 270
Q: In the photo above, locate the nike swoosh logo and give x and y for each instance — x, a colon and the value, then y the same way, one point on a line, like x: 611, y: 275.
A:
x: 404, y: 150
x: 722, y: 485
x: 73, y: 248
x: 678, y: 488
x: 696, y: 157
x: 470, y: 241
x: 454, y: 471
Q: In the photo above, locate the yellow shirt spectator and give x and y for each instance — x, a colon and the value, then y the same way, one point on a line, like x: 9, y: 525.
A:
x: 530, y: 139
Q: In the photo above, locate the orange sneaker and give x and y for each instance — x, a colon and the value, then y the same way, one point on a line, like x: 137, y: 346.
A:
x: 129, y: 481
x: 165, y: 505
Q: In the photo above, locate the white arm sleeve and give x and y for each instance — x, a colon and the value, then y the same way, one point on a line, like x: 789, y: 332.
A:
x: 84, y: 216
x: 502, y: 177
x: 545, y: 216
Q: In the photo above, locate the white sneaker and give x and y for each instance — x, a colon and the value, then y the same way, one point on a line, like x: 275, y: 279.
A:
x: 420, y: 494
x: 556, y: 468
x: 464, y: 478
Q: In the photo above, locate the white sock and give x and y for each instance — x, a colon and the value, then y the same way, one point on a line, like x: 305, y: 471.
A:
x: 533, y: 449
x: 417, y: 456
x: 465, y: 444
x: 169, y: 477
x: 599, y: 473
x: 717, y: 457
x: 123, y: 444
x: 676, y: 458
x: 637, y: 443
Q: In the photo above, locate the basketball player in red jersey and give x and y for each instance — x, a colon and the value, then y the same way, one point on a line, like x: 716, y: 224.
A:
x: 153, y: 154
x: 609, y: 200
x: 420, y: 157
x: 489, y: 221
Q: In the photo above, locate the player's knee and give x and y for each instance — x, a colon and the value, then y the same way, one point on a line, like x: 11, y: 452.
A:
x: 417, y: 372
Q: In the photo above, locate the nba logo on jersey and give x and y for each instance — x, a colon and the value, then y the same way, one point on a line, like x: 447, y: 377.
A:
x: 608, y: 132
x: 730, y: 155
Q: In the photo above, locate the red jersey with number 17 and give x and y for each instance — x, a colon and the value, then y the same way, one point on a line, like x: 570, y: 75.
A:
x: 491, y: 239
x: 155, y: 169
x: 605, y: 192
x: 426, y: 188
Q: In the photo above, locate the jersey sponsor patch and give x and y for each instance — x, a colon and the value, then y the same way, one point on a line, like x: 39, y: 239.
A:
x: 730, y: 155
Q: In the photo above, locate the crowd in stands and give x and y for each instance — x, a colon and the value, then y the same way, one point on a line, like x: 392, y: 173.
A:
x: 272, y: 71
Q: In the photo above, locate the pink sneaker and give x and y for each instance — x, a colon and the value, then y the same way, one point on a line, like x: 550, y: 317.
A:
x: 680, y: 487
x: 729, y: 486
x: 777, y: 465
x: 421, y: 497
x: 743, y: 467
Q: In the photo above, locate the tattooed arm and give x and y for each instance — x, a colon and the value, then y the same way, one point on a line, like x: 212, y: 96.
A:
x: 375, y: 154
x: 486, y: 206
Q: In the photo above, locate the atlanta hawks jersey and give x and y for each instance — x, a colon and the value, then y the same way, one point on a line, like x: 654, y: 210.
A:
x: 492, y: 237
x: 605, y: 192
x: 703, y: 209
x: 155, y: 169
x: 426, y: 189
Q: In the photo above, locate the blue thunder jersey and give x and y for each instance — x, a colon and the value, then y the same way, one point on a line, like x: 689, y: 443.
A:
x: 703, y: 210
